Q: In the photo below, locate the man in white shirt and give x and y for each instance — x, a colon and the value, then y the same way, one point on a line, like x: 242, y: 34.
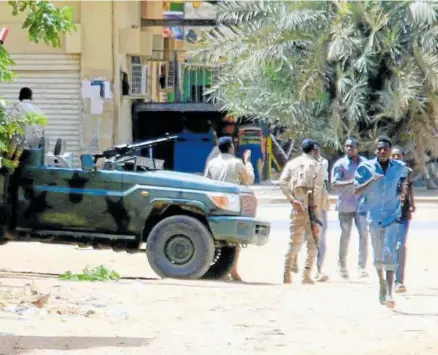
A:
x: 226, y: 167
x: 32, y: 132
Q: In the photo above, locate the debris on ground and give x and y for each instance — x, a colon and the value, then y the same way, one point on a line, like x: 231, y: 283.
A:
x: 29, y: 301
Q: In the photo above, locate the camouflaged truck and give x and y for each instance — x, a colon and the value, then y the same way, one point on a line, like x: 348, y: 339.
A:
x: 190, y: 225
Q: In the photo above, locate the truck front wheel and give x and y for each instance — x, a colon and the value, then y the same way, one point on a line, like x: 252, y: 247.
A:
x: 180, y: 247
x: 222, y: 264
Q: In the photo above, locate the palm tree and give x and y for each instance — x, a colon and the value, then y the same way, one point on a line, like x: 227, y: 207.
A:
x: 331, y: 69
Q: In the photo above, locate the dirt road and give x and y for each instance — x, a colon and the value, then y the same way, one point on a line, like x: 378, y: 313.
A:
x: 181, y: 317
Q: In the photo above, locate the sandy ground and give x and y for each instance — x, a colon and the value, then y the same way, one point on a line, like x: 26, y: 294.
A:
x: 152, y: 316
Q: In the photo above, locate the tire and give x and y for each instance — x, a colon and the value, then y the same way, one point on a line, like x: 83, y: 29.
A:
x: 194, y: 244
x: 223, y: 265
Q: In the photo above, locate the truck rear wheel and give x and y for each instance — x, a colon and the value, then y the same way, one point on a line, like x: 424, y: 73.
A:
x: 180, y: 247
x: 222, y: 264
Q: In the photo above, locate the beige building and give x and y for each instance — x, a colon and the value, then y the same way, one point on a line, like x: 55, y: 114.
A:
x: 109, y: 42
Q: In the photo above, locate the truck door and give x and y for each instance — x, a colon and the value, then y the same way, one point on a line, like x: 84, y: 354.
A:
x: 112, y: 217
x: 59, y: 199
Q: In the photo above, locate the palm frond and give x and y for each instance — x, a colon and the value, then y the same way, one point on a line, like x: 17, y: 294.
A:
x: 423, y: 13
x: 330, y: 69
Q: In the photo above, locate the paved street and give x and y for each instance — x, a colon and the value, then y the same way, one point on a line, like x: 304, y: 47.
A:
x: 271, y: 194
x: 426, y: 219
x: 260, y: 316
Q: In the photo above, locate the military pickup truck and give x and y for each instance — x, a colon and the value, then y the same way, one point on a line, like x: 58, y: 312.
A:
x: 189, y: 225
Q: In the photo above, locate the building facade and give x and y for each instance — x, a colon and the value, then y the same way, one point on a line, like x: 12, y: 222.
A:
x: 109, y: 46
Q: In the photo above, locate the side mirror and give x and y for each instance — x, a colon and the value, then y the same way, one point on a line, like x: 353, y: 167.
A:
x: 87, y: 162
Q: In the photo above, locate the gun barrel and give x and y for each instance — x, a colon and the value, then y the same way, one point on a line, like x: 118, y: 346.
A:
x: 135, y: 146
x: 129, y: 148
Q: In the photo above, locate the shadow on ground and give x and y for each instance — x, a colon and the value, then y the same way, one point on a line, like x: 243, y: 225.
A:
x: 416, y: 314
x: 10, y: 274
x: 10, y: 344
x: 208, y: 283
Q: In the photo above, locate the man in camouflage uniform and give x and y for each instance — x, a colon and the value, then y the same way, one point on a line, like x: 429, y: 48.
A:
x: 302, y: 182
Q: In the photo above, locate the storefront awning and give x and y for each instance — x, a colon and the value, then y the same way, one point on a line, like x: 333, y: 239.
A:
x: 175, y: 107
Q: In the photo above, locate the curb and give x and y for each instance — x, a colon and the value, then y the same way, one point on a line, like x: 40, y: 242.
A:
x: 283, y: 200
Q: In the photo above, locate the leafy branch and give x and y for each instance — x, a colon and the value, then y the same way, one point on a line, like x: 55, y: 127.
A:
x: 44, y: 22
x: 98, y: 273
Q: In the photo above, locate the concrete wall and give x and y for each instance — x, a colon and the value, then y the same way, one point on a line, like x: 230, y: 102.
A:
x: 128, y: 16
x: 99, y: 23
x: 97, y: 61
x: 152, y: 10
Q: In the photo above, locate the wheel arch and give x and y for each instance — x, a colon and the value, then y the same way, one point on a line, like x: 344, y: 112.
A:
x: 163, y: 208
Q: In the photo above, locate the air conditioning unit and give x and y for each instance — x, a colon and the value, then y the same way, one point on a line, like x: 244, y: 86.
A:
x: 139, y: 79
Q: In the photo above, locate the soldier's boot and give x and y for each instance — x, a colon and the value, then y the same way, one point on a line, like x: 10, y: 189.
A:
x: 307, y: 279
x: 312, y: 251
x: 294, y: 268
x: 287, y: 276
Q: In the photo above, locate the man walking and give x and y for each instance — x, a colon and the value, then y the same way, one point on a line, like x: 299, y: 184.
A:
x: 408, y: 207
x: 325, y: 205
x: 302, y: 184
x: 382, y: 182
x: 347, y: 206
x: 226, y: 167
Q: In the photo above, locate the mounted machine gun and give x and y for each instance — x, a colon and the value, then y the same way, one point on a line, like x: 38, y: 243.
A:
x: 125, y: 156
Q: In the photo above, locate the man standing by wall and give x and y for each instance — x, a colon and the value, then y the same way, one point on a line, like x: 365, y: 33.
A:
x: 25, y: 106
x: 300, y: 184
x: 226, y: 167
x: 382, y: 181
x: 408, y: 208
x: 347, y: 206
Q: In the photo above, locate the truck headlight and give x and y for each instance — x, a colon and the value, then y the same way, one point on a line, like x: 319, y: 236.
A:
x: 229, y: 202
